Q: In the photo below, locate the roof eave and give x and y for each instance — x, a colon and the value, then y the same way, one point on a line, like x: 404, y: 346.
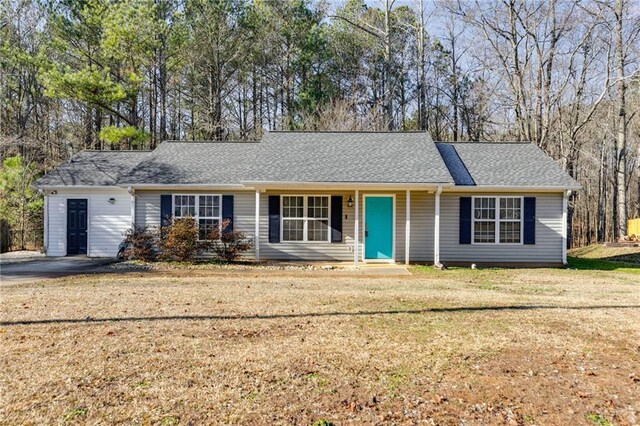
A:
x: 512, y: 188
x: 168, y: 186
x: 264, y: 185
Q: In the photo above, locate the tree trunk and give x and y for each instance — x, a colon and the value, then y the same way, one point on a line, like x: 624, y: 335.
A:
x: 621, y: 139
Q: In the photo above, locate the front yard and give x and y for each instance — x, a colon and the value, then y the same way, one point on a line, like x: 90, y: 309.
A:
x: 486, y: 346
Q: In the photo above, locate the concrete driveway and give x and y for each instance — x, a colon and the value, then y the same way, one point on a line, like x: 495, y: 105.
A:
x: 12, y: 272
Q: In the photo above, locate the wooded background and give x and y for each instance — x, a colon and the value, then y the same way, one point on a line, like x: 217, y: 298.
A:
x: 127, y: 74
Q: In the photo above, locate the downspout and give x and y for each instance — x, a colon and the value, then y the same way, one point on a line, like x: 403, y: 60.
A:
x: 132, y: 192
x: 565, y: 225
x: 436, y: 231
x: 45, y: 242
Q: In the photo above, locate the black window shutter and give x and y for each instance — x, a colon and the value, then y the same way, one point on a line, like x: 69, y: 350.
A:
x: 465, y: 220
x: 165, y: 210
x: 529, y: 220
x: 227, y: 212
x: 274, y: 218
x: 336, y: 218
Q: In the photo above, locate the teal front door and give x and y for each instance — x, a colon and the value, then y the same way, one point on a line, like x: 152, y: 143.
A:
x: 378, y: 228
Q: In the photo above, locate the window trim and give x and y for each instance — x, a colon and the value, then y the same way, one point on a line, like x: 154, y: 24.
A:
x: 196, y: 216
x: 496, y: 220
x: 305, y: 219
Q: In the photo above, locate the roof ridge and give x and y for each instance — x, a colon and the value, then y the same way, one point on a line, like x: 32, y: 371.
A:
x: 208, y: 141
x: 486, y: 142
x: 115, y: 150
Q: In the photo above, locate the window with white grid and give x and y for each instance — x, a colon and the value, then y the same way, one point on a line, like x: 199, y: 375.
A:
x: 305, y: 218
x: 205, y: 209
x: 497, y: 220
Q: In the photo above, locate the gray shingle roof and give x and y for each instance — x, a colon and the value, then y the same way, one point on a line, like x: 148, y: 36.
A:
x: 93, y: 168
x: 297, y: 157
x: 512, y: 165
x: 331, y: 157
x: 182, y: 163
x: 370, y: 157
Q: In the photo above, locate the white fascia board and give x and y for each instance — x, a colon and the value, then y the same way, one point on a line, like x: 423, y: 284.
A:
x: 343, y: 185
x: 488, y: 188
x: 187, y: 186
x: 101, y: 187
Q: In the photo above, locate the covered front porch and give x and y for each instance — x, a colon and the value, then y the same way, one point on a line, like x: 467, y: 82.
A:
x: 378, y: 224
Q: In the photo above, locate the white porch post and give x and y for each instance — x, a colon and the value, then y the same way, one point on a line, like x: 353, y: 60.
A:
x: 256, y: 238
x: 356, y: 231
x: 436, y: 230
x: 565, y: 225
x: 46, y: 222
x: 407, y: 229
x: 133, y: 208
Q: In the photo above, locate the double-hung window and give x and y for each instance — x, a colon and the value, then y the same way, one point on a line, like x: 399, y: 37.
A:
x: 305, y: 218
x: 205, y: 209
x: 497, y: 220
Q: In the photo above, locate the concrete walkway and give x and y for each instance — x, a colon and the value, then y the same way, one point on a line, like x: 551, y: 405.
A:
x: 384, y: 269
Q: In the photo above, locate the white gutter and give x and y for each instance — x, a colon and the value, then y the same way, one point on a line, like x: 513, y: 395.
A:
x: 505, y: 188
x: 343, y: 185
x: 188, y: 185
x: 50, y: 187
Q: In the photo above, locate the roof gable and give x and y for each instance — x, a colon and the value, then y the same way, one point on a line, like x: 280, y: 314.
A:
x: 510, y: 165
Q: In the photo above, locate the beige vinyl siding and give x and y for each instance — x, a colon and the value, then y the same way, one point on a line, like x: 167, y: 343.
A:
x: 422, y: 212
x: 148, y: 209
x: 422, y: 226
x: 547, y: 249
x: 106, y: 222
x: 299, y: 250
x: 422, y: 216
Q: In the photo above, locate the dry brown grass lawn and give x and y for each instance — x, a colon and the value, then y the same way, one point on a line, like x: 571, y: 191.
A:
x: 491, y: 346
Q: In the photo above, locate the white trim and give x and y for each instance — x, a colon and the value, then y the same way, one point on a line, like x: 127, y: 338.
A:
x: 250, y: 185
x: 72, y: 187
x: 46, y: 223
x: 133, y: 209
x: 496, y: 220
x: 305, y: 219
x: 195, y: 186
x: 565, y: 225
x: 407, y: 227
x: 356, y: 225
x: 436, y: 230
x: 256, y: 238
x: 292, y: 185
x: 488, y: 188
x: 393, y: 228
x: 196, y: 215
